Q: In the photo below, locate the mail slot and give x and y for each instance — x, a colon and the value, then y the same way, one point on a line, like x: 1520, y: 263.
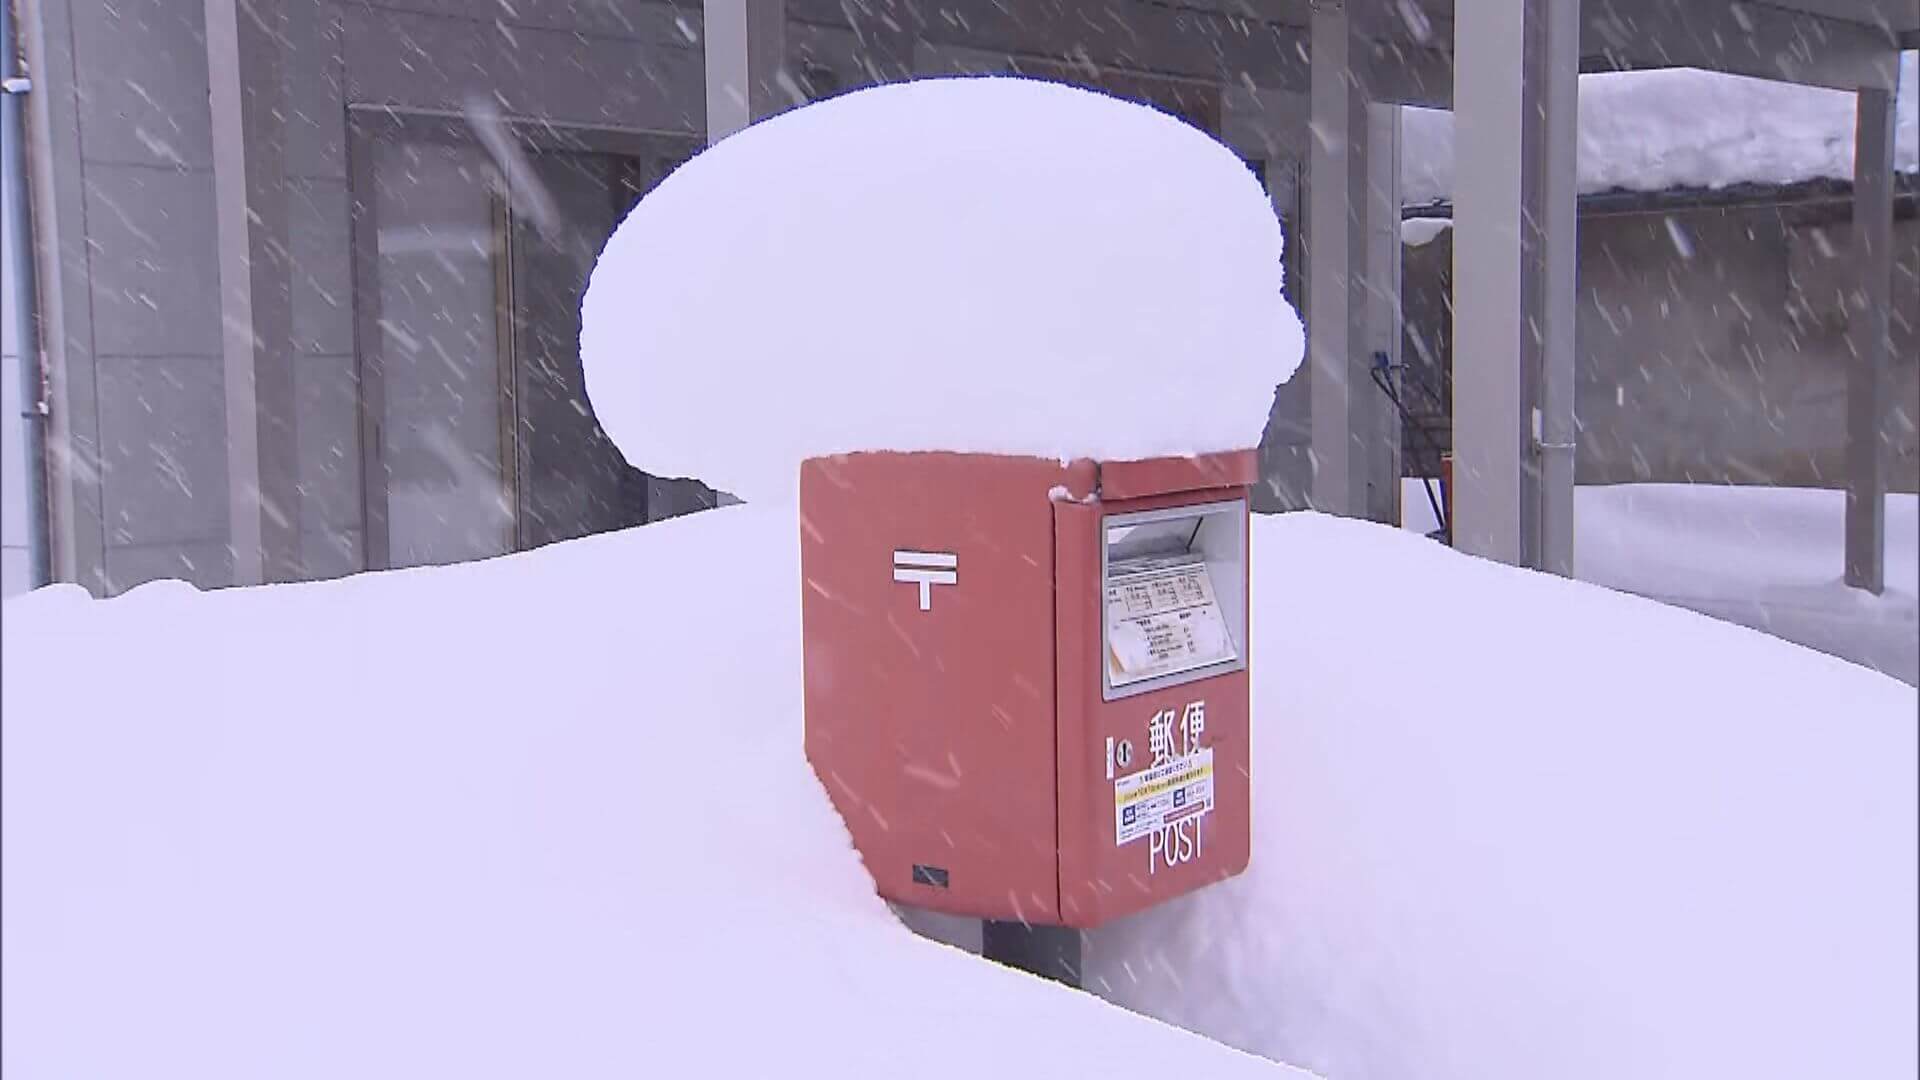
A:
x: 1026, y: 681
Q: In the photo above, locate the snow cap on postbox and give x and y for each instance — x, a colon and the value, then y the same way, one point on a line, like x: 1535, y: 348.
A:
x: 990, y: 265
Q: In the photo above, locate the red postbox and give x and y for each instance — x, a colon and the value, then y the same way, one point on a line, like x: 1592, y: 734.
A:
x: 1026, y: 680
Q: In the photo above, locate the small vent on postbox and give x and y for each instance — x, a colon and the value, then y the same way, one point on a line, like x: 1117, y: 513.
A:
x: 935, y: 876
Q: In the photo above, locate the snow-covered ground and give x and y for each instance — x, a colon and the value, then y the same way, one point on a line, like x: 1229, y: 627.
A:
x: 1653, y: 130
x: 1560, y: 832
x: 545, y: 815
x: 1768, y: 558
x: 548, y: 815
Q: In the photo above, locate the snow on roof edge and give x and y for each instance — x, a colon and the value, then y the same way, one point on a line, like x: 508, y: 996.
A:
x: 1648, y: 131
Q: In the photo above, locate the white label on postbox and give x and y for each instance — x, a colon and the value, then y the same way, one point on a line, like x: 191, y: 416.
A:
x: 1162, y: 619
x: 1157, y: 799
x: 926, y: 569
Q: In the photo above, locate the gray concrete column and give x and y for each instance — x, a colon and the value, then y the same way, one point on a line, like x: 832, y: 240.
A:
x: 1869, y: 339
x: 1374, y: 415
x: 747, y: 77
x: 1336, y: 261
x: 1513, y: 279
x: 246, y: 73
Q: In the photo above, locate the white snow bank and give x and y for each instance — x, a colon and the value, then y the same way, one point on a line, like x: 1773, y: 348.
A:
x: 1769, y: 558
x: 549, y: 815
x: 540, y: 816
x: 1765, y: 557
x: 1654, y: 130
x: 983, y: 264
x: 1556, y: 831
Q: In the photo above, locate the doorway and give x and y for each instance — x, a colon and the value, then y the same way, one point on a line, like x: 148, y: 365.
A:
x: 470, y: 263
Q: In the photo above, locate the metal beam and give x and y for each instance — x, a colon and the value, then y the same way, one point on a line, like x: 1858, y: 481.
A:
x: 1408, y: 49
x: 1165, y: 40
x: 1894, y: 13
x: 746, y: 64
x: 247, y: 72
x: 1762, y: 40
x: 1869, y: 339
x: 1143, y: 35
x: 1336, y: 261
x: 1551, y: 215
x: 1401, y: 73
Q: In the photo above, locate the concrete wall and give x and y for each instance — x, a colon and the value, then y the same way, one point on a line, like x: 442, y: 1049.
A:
x: 146, y: 172
x: 141, y: 403
x: 144, y: 482
x: 1712, y: 348
x: 1712, y: 345
x: 1271, y: 126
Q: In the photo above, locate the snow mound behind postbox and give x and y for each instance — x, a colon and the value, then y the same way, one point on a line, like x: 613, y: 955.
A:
x: 991, y: 265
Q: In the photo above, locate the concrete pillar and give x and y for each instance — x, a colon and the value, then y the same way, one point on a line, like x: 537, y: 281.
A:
x: 1375, y: 418
x: 1513, y: 279
x: 1869, y: 339
x: 246, y: 71
x: 747, y: 76
x: 1336, y: 261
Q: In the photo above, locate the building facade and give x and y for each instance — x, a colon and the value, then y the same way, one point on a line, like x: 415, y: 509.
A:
x: 310, y: 272
x: 440, y: 177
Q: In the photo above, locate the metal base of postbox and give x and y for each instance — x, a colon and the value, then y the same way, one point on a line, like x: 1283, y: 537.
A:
x: 1051, y: 952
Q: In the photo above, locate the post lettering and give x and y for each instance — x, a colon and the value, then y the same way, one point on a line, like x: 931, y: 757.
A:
x: 1180, y: 842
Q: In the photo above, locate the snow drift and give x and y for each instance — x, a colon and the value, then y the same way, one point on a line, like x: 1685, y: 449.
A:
x: 549, y: 814
x: 545, y: 815
x: 1766, y: 557
x: 1769, y: 558
x: 984, y: 264
x: 369, y: 827
x: 1554, y: 831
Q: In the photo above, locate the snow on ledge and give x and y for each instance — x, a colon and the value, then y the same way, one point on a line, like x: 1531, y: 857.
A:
x: 1683, y: 128
x: 988, y: 264
x: 1419, y: 232
x: 612, y: 860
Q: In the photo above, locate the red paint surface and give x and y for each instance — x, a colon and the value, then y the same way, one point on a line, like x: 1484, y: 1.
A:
x: 943, y: 737
x: 1100, y: 881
